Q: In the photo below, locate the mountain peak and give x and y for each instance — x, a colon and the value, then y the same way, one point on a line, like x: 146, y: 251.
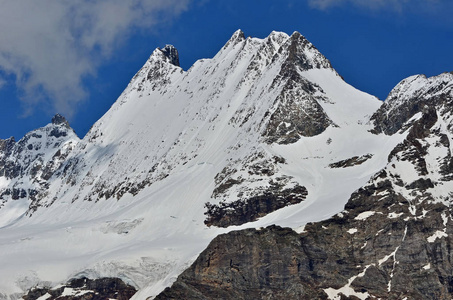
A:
x: 409, y: 97
x: 60, y: 120
x: 277, y: 38
x: 167, y: 54
x: 296, y: 34
x: 276, y: 34
x: 171, y: 53
x: 301, y: 52
x: 238, y: 34
x: 237, y: 37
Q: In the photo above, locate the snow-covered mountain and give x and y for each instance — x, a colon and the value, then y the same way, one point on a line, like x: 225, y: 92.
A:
x: 392, y: 240
x: 27, y: 166
x: 266, y: 132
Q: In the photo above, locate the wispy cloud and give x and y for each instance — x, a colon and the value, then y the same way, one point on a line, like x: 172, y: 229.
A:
x: 50, y: 46
x: 397, y: 5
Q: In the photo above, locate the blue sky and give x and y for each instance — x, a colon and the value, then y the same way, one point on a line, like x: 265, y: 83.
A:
x: 76, y: 58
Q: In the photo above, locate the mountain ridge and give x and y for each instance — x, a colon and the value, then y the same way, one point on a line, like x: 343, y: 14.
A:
x: 236, y: 138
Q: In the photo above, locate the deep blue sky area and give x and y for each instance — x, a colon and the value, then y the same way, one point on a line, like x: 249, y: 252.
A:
x: 59, y: 63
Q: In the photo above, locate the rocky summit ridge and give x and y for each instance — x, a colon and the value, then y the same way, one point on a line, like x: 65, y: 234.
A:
x: 284, y: 181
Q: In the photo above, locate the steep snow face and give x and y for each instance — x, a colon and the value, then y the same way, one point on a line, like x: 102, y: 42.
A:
x: 268, y: 115
x: 280, y: 87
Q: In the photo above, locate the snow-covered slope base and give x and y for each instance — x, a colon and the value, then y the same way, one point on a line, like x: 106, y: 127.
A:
x: 129, y: 200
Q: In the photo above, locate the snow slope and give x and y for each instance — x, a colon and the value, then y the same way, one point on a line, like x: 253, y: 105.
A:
x: 128, y: 200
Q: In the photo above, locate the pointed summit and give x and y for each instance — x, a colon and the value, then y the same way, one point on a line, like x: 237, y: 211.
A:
x: 157, y: 70
x: 278, y: 36
x: 167, y: 54
x: 172, y: 54
x: 238, y: 34
x: 304, y: 54
x: 60, y: 120
x: 237, y: 37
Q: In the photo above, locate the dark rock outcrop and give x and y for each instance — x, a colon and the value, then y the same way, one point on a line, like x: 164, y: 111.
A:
x: 85, y: 289
x: 248, y: 264
x: 172, y: 54
x: 60, y: 120
x: 350, y: 162
x: 258, y: 187
x: 298, y: 113
x: 243, y: 211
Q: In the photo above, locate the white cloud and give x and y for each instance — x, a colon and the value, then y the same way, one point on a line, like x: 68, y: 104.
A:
x: 51, y: 45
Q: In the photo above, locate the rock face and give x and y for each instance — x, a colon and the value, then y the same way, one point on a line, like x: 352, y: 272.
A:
x: 85, y: 289
x: 249, y: 264
x: 259, y: 188
x: 299, y: 112
x: 171, y: 52
x: 392, y: 241
x: 243, y: 211
x: 350, y: 162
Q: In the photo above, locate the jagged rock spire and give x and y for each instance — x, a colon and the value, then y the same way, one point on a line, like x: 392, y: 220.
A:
x: 172, y: 53
x: 60, y: 120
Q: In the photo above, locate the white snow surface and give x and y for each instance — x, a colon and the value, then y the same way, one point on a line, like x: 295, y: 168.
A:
x: 187, y: 126
x: 364, y: 215
x: 347, y: 290
x: 437, y: 235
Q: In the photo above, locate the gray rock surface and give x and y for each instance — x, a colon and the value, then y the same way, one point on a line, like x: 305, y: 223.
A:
x: 85, y: 289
